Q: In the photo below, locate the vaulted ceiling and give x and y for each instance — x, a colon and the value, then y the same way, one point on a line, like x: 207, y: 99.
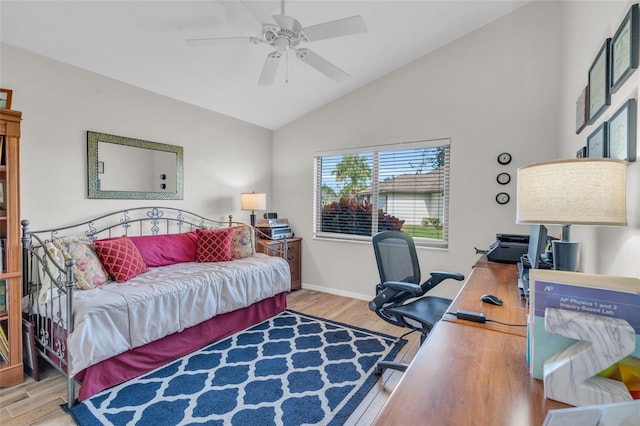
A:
x: 144, y: 43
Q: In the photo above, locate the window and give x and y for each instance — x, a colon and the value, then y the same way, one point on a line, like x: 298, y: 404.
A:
x: 406, y: 185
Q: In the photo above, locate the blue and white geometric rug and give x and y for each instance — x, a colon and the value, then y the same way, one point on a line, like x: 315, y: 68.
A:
x: 291, y: 369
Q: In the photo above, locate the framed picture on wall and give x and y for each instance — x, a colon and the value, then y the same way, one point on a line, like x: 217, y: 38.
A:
x: 621, y: 137
x: 598, y: 93
x: 624, y: 49
x: 597, y: 142
x: 582, y: 108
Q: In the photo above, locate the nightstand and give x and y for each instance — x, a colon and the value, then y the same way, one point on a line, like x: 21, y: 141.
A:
x: 293, y: 256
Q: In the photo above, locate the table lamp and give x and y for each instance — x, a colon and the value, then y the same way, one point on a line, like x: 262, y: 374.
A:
x: 585, y: 191
x: 252, y: 201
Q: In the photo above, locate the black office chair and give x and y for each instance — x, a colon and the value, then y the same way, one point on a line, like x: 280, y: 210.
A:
x: 400, y: 298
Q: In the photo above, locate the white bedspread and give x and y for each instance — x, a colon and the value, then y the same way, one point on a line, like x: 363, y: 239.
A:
x: 114, y: 318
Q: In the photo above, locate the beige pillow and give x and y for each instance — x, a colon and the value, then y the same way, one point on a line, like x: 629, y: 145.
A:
x: 45, y: 279
x: 88, y: 270
x: 242, y: 242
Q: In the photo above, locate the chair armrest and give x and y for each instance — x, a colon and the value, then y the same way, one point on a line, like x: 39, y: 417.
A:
x: 443, y: 275
x: 394, y: 292
x: 403, y: 286
x: 437, y: 277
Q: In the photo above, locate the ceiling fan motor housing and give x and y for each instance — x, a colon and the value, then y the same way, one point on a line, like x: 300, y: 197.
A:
x: 288, y: 35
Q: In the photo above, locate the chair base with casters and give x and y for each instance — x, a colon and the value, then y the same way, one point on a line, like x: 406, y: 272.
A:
x: 400, y: 298
x: 390, y: 365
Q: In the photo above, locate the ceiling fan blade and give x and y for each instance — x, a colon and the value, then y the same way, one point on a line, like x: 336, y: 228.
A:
x: 216, y: 41
x: 321, y: 64
x: 269, y: 69
x: 259, y: 12
x: 339, y: 28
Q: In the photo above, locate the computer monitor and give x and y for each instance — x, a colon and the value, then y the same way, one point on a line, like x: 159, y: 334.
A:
x: 537, y: 244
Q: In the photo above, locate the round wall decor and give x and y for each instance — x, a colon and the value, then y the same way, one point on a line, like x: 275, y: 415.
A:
x: 504, y: 158
x: 502, y: 198
x: 503, y: 178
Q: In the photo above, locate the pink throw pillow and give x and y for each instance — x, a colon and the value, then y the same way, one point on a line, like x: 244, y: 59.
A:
x: 120, y: 257
x: 214, y: 246
x: 160, y: 250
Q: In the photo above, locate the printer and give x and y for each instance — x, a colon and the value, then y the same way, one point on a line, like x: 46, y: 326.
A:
x: 274, y: 228
x: 508, y: 248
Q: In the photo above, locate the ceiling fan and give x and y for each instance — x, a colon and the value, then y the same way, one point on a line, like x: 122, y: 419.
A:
x: 285, y: 33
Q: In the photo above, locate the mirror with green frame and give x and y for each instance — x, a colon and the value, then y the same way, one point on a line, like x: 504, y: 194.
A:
x: 126, y: 168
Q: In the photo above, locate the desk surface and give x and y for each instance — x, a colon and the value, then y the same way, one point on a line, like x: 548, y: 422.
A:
x: 501, y: 281
x: 469, y: 373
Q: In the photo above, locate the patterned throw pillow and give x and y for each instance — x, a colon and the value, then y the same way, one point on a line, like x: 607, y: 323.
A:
x: 242, y: 242
x: 120, y: 257
x: 51, y: 271
x: 88, y: 271
x: 214, y: 246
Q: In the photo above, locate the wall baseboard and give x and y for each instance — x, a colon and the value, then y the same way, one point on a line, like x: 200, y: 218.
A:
x: 337, y: 292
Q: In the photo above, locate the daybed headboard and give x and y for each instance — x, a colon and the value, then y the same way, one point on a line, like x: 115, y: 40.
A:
x: 135, y: 221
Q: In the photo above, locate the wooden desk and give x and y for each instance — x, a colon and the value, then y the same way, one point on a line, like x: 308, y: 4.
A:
x: 469, y: 373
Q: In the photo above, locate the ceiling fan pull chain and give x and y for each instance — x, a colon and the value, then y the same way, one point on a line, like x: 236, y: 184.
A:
x: 286, y: 78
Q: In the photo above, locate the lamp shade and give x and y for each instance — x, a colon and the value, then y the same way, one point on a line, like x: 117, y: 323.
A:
x: 253, y: 201
x: 586, y: 191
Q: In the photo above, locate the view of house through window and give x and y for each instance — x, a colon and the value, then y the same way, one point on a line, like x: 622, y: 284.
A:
x: 364, y: 191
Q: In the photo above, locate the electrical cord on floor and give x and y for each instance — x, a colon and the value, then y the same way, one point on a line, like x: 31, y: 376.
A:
x: 405, y: 335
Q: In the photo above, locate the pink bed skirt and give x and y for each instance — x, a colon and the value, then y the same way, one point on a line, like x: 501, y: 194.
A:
x: 137, y: 361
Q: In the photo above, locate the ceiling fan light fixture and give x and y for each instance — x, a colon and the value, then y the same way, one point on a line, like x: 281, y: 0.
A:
x: 281, y: 43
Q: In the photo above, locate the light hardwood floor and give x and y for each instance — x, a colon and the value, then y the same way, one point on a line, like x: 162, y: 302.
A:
x: 38, y: 403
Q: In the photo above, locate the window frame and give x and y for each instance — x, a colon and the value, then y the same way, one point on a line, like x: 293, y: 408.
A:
x: 375, y: 196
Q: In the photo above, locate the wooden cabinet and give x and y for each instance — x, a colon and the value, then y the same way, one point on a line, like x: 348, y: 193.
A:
x: 11, y: 371
x: 293, y: 255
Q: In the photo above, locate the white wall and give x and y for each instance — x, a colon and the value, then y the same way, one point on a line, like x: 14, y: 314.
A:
x: 586, y: 25
x: 510, y: 86
x: 222, y: 156
x: 495, y: 90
